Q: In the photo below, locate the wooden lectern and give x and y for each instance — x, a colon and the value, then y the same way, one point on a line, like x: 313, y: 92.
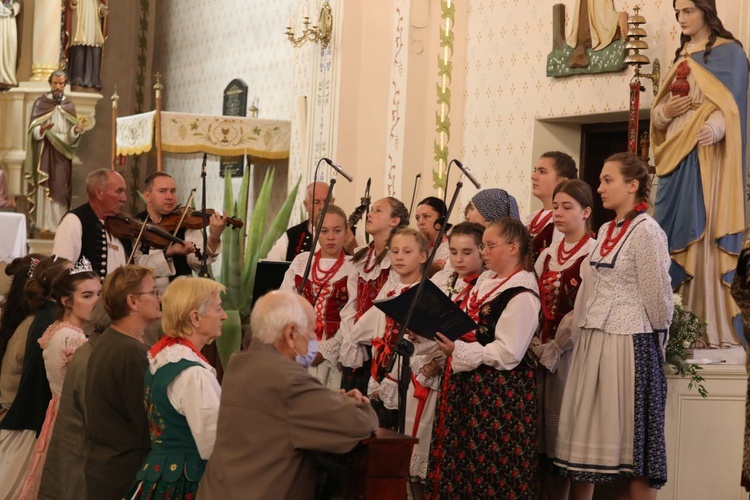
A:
x: 379, y: 466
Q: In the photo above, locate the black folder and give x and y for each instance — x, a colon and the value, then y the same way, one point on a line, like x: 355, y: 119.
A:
x: 434, y: 312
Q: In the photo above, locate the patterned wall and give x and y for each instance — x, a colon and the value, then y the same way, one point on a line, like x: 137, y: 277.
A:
x: 201, y: 48
x: 507, y: 89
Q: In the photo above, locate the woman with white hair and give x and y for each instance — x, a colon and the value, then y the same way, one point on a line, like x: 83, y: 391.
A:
x: 181, y: 391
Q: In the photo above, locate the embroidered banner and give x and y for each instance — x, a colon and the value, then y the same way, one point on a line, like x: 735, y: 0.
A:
x: 135, y: 133
x: 218, y: 135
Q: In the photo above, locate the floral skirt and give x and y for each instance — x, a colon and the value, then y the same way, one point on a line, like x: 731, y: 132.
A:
x: 484, y: 441
x: 160, y: 489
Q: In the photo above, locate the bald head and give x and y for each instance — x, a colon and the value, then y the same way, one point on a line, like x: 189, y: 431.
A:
x: 276, y: 311
x: 315, y: 198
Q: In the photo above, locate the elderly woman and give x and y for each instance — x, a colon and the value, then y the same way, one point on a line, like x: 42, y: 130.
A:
x: 117, y: 439
x: 182, y: 393
x: 490, y: 205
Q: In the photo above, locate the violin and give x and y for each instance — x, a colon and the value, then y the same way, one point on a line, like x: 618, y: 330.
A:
x: 193, y: 220
x: 127, y: 227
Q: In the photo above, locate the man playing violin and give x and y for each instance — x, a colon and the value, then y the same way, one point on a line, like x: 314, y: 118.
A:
x: 81, y: 231
x: 178, y: 259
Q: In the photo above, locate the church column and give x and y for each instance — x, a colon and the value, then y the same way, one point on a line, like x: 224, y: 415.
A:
x: 46, y: 44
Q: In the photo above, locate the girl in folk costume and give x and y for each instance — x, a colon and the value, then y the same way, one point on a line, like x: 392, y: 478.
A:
x: 699, y: 136
x: 326, y: 289
x: 181, y: 392
x: 76, y: 294
x: 430, y: 217
x: 559, y: 271
x: 552, y: 168
x: 428, y: 362
x: 408, y: 254
x: 612, y: 415
x: 484, y: 439
x: 371, y: 270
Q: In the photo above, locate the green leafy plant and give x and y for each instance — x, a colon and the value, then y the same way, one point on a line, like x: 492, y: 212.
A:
x: 685, y: 330
x: 243, y: 249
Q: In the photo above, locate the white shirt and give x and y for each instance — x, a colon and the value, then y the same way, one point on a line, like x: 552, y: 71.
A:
x: 194, y: 393
x: 513, y: 331
x: 68, y: 242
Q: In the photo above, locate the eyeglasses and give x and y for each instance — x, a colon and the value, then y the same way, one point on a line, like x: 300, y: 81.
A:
x: 153, y: 292
x: 489, y: 246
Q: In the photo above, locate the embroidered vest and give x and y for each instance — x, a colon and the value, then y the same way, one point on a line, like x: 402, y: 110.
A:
x: 94, y: 240
x: 558, y: 292
x: 542, y: 240
x: 173, y: 449
x: 300, y: 240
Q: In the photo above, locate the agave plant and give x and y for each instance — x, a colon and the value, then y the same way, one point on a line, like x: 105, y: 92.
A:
x: 242, y: 251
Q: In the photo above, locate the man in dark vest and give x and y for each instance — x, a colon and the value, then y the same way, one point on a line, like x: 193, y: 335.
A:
x: 81, y: 231
x: 160, y: 192
x: 298, y: 239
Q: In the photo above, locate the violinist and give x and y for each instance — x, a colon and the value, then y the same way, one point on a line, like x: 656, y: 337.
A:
x: 81, y: 231
x: 178, y: 259
x: 298, y: 239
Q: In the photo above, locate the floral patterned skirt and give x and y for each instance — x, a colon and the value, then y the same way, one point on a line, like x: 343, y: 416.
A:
x: 484, y: 442
x: 182, y: 489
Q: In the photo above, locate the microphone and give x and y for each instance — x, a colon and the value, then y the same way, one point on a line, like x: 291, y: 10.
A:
x: 338, y: 169
x: 468, y: 174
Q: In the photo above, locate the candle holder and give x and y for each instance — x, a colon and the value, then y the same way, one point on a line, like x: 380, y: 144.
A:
x: 319, y: 31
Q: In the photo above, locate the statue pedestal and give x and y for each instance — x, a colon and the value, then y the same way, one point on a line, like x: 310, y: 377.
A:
x: 15, y: 110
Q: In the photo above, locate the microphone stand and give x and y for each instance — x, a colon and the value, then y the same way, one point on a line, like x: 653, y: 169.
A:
x: 404, y: 348
x: 204, y: 266
x: 318, y: 227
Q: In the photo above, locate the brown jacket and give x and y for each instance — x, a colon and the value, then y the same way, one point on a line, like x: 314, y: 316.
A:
x: 273, y: 416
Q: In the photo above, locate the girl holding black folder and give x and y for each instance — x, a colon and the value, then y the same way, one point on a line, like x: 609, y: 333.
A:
x: 484, y: 439
x: 371, y: 270
x: 428, y: 362
x: 408, y: 254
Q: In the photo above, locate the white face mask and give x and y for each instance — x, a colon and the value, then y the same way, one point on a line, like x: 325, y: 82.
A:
x: 312, y: 351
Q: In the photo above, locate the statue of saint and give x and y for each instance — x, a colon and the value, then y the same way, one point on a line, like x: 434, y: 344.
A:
x: 86, y: 20
x: 698, y: 131
x: 53, y: 136
x: 8, y: 43
x: 595, y: 25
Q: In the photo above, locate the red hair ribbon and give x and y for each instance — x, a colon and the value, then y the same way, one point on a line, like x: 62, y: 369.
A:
x: 641, y: 207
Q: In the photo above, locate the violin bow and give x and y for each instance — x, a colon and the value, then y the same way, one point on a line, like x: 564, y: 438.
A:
x: 136, y: 243
x: 184, y: 213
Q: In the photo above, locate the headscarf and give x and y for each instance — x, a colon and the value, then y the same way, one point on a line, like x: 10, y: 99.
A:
x: 495, y: 203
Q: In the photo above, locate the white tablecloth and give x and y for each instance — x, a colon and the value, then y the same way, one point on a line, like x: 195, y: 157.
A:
x: 12, y: 236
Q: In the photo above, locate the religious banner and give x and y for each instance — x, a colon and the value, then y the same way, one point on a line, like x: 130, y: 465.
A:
x: 135, y: 133
x: 217, y: 135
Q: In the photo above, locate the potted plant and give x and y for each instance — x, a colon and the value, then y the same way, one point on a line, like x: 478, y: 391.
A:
x: 241, y: 253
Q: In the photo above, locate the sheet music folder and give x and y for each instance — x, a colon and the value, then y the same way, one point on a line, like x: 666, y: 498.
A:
x: 434, y: 312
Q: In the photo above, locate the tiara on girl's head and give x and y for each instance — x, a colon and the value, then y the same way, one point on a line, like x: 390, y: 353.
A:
x: 34, y: 262
x: 82, y: 266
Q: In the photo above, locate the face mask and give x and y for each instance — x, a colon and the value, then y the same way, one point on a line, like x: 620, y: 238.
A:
x: 312, y: 351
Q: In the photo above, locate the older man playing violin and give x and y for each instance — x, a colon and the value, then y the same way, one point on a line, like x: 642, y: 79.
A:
x: 81, y: 231
x: 179, y: 259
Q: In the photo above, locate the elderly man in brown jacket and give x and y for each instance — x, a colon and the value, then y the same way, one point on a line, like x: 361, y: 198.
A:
x: 274, y: 415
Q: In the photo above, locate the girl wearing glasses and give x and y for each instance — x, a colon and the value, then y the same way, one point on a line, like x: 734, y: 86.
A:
x: 76, y: 293
x: 327, y: 290
x: 371, y: 270
x: 559, y: 271
x: 612, y: 414
x: 408, y: 254
x: 483, y: 445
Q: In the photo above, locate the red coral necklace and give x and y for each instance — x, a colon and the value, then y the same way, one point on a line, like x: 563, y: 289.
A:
x: 564, y: 256
x: 475, y: 303
x: 536, y: 225
x: 610, y: 242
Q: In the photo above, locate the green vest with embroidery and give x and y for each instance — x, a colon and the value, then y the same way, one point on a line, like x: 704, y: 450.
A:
x: 174, y: 453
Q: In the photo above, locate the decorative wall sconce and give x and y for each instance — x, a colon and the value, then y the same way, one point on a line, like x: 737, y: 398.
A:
x: 320, y: 31
x: 634, y: 45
